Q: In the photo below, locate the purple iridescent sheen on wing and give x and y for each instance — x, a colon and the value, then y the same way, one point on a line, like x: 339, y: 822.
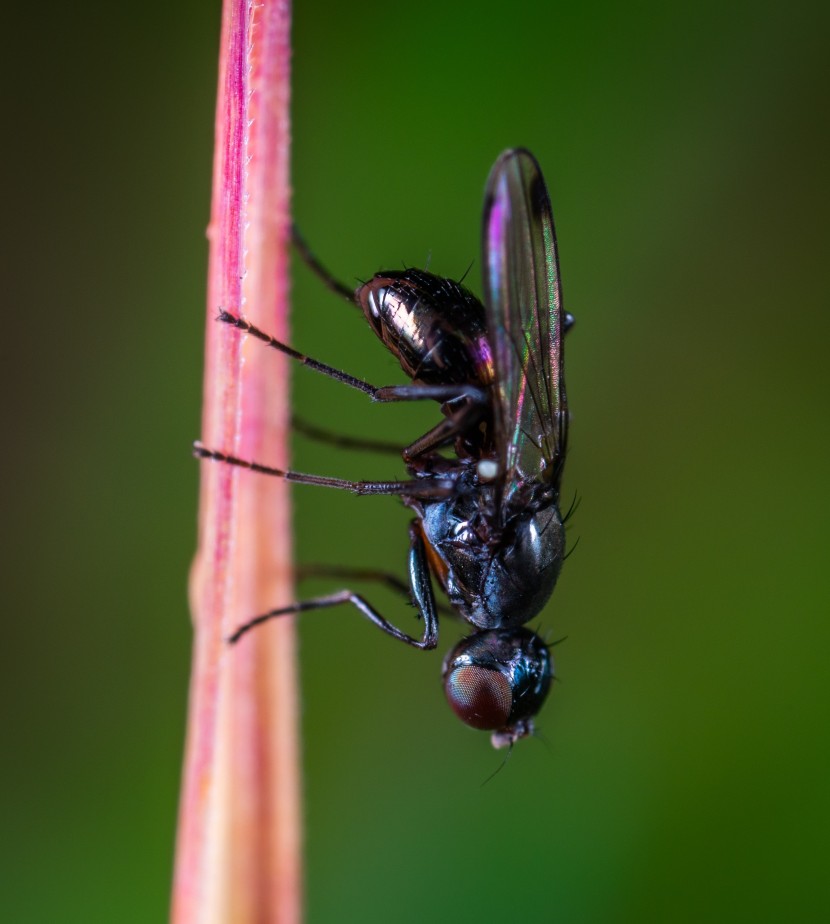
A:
x: 523, y: 300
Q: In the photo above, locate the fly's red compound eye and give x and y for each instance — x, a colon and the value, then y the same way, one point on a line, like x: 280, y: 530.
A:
x: 479, y: 696
x: 497, y: 680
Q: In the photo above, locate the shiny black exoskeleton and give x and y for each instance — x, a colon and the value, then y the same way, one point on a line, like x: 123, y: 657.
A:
x: 435, y: 327
x: 437, y: 330
x: 498, y: 567
x: 487, y: 522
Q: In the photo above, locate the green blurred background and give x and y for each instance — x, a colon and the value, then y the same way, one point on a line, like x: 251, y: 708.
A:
x: 685, y: 773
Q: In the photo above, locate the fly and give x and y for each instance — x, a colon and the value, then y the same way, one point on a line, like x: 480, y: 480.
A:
x: 484, y: 482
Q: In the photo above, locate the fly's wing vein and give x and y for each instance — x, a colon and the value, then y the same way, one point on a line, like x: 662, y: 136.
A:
x: 523, y: 300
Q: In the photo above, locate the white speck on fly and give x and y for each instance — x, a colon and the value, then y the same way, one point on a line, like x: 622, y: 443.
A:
x: 487, y: 470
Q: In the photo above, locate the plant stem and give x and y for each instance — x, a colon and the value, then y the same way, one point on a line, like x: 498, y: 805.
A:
x: 239, y: 841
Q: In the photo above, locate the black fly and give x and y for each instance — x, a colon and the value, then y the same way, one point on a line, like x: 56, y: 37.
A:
x: 487, y: 523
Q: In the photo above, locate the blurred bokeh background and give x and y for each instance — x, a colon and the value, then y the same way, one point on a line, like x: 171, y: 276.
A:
x: 685, y: 771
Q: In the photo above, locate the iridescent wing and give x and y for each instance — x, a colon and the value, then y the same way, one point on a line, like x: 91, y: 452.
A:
x: 523, y: 299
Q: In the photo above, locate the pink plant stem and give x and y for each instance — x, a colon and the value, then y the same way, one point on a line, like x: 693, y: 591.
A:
x: 239, y: 841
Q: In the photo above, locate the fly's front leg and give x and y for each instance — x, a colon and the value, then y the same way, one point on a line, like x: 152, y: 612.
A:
x: 422, y: 596
x: 421, y: 585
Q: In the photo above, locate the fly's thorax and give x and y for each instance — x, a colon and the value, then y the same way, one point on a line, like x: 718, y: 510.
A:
x: 495, y: 576
x: 435, y: 327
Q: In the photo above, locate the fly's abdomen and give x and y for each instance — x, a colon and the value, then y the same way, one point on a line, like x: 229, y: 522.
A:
x: 435, y: 327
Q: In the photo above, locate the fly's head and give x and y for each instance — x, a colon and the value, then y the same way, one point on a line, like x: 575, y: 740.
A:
x: 498, y: 680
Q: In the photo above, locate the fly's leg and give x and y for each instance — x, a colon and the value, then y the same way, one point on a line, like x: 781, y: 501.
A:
x: 383, y: 394
x: 392, y: 581
x: 317, y: 267
x: 310, y: 431
x: 470, y: 402
x: 440, y: 435
x: 468, y: 414
x: 422, y: 596
x: 339, y: 288
x: 247, y: 328
x: 423, y: 488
